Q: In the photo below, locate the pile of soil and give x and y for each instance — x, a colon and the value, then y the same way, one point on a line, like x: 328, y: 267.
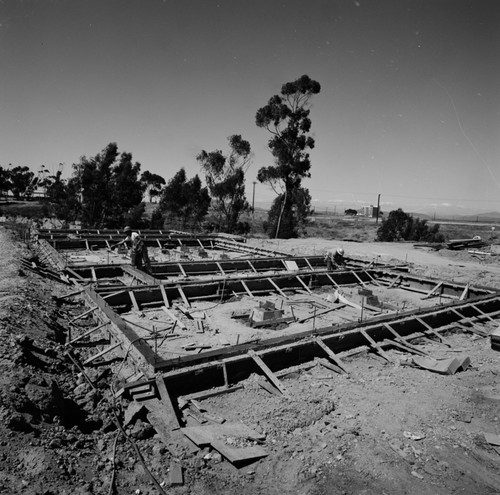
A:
x: 390, y: 428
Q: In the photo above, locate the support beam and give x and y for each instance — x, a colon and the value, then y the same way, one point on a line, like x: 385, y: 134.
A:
x: 183, y: 295
x: 164, y: 296
x: 357, y: 276
x: 330, y: 354
x: 102, y: 353
x: 394, y: 282
x: 304, y: 284
x: 87, y: 333
x: 85, y: 313
x: 277, y: 288
x: 433, y: 291
x: 251, y: 266
x: 433, y: 331
x: 263, y: 366
x: 134, y: 300
x: 375, y: 345
x: 245, y: 286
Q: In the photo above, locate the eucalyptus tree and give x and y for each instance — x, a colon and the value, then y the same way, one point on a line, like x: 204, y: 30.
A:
x: 286, y: 117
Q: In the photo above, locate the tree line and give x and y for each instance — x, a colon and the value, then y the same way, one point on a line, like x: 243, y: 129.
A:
x: 107, y: 190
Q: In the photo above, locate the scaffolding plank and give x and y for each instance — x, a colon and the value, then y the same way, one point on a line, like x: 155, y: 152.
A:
x: 263, y: 366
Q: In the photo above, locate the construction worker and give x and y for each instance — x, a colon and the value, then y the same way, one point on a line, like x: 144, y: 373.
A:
x: 334, y: 259
x: 139, y: 256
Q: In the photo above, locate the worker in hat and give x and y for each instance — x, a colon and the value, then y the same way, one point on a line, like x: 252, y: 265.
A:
x: 138, y: 251
x: 334, y: 259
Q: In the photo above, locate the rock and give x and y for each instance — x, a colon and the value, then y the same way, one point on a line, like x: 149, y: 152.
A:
x: 19, y: 422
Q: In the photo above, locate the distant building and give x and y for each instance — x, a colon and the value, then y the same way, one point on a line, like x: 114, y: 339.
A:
x: 370, y: 211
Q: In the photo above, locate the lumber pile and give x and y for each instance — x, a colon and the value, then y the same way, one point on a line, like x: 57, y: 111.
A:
x: 475, y: 242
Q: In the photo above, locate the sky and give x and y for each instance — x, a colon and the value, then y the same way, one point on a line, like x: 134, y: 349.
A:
x: 409, y: 107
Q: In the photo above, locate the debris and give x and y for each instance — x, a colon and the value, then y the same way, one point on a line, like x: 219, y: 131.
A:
x: 414, y: 436
x: 443, y: 366
x: 176, y: 477
x: 492, y: 438
x: 495, y: 339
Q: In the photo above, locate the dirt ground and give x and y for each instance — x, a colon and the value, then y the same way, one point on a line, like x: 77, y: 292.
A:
x: 382, y: 429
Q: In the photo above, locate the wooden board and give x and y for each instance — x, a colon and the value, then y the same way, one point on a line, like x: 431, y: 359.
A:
x: 205, y: 435
x: 234, y: 454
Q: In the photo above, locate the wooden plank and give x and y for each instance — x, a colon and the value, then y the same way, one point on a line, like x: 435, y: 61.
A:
x: 182, y: 269
x: 332, y: 281
x: 236, y: 455
x: 309, y: 264
x: 134, y: 300
x: 375, y: 345
x: 394, y: 282
x: 220, y: 268
x: 357, y: 276
x: 205, y: 435
x: 184, y: 298
x: 176, y: 477
x: 94, y: 275
x: 70, y: 294
x: 330, y: 366
x: 303, y: 284
x: 173, y: 317
x: 432, y: 292
x: 465, y: 293
x: 102, y: 353
x: 441, y: 339
x: 167, y: 403
x: 245, y: 286
x: 277, y: 288
x: 251, y: 266
x: 164, y: 296
x: 87, y: 333
x: 263, y: 366
x: 85, y: 313
x: 483, y: 313
x: 370, y: 276
x: 330, y: 354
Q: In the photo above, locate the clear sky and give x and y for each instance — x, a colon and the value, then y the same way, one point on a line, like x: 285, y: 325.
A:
x: 409, y: 105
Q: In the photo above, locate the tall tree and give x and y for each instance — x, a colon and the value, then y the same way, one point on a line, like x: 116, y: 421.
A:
x: 110, y: 192
x: 286, y: 117
x: 225, y: 176
x: 21, y: 181
x: 152, y: 184
x: 185, y: 202
x: 5, y: 183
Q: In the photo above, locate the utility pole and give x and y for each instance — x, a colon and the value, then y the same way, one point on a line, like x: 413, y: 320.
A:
x: 378, y: 208
x: 253, y: 202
